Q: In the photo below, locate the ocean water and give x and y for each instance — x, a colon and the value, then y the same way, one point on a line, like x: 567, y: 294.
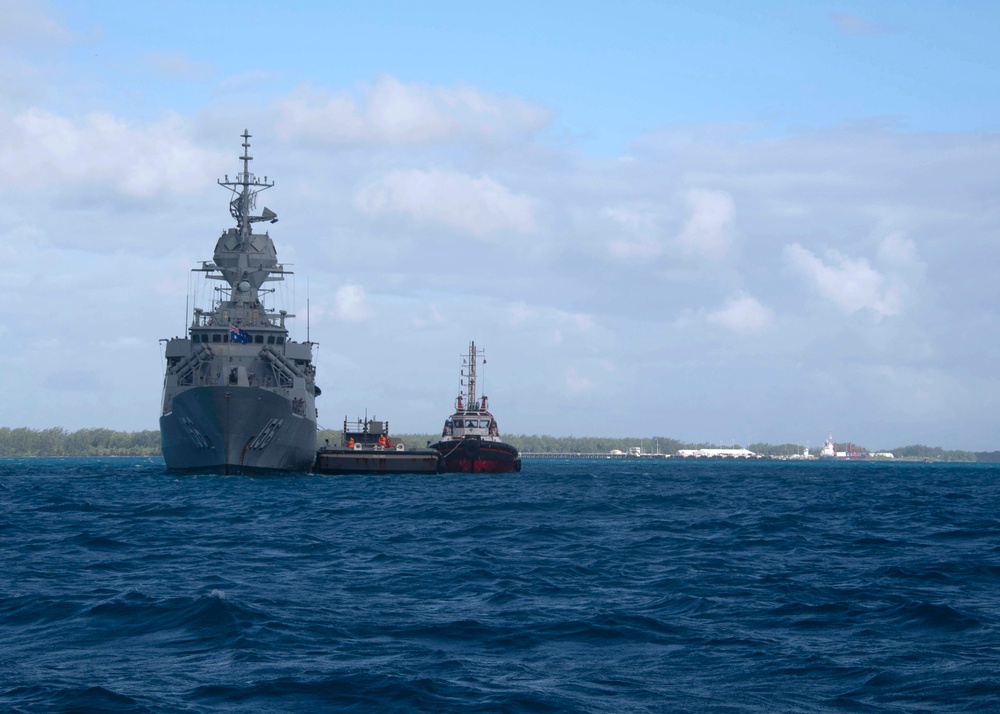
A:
x: 573, y: 586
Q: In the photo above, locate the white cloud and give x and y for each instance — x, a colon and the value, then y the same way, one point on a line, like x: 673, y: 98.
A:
x: 43, y: 148
x: 429, y: 317
x: 898, y: 251
x: 852, y: 284
x: 351, y: 304
x: 477, y: 206
x: 31, y: 23
x: 743, y: 314
x: 577, y: 384
x: 175, y: 65
x: 128, y: 343
x: 392, y: 112
x: 553, y: 306
x: 708, y: 231
x: 640, y: 228
x: 249, y: 81
x: 590, y: 377
x: 520, y: 314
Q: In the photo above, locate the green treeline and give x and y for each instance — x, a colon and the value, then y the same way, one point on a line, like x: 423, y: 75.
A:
x: 57, y: 441
x: 85, y: 442
x: 545, y: 444
x: 936, y: 453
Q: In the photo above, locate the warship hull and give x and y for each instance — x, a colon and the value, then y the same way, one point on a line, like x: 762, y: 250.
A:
x: 236, y: 430
x: 239, y: 395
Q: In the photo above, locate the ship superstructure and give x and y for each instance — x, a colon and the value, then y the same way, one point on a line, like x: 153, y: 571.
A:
x: 848, y: 452
x: 238, y: 394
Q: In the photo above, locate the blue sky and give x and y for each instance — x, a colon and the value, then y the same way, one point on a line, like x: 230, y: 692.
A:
x: 722, y: 221
x: 610, y: 70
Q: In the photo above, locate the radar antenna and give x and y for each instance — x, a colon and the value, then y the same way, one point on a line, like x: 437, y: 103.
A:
x: 245, y: 188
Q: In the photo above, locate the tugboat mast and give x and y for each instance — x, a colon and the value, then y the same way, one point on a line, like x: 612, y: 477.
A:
x: 472, y: 377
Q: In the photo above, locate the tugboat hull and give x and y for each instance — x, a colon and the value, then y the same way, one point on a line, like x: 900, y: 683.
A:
x: 473, y: 456
x: 236, y: 430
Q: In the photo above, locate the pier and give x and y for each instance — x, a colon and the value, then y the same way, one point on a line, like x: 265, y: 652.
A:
x: 601, y: 455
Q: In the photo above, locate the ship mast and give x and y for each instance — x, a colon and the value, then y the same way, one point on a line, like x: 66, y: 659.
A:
x: 244, y: 199
x: 472, y: 376
x: 245, y: 260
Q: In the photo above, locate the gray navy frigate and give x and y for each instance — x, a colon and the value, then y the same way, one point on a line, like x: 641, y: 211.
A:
x: 238, y: 395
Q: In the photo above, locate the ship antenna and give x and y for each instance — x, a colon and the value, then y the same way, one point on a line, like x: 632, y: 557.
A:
x: 245, y: 189
x: 472, y: 375
x: 244, y: 224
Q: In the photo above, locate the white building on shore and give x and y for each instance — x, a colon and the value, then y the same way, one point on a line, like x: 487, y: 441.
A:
x: 716, y: 454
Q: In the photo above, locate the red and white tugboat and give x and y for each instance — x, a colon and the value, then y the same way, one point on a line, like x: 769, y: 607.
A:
x: 470, y: 442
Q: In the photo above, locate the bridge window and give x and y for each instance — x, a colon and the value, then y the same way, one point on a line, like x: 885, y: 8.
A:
x: 258, y: 339
x: 216, y: 338
x: 270, y: 339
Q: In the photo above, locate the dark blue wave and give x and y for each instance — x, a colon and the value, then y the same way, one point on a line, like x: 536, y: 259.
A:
x: 571, y: 587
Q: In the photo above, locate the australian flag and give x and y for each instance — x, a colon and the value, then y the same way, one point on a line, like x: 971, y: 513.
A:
x: 237, y: 335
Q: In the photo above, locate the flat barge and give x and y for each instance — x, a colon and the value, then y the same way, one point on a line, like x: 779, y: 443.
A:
x: 367, y: 448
